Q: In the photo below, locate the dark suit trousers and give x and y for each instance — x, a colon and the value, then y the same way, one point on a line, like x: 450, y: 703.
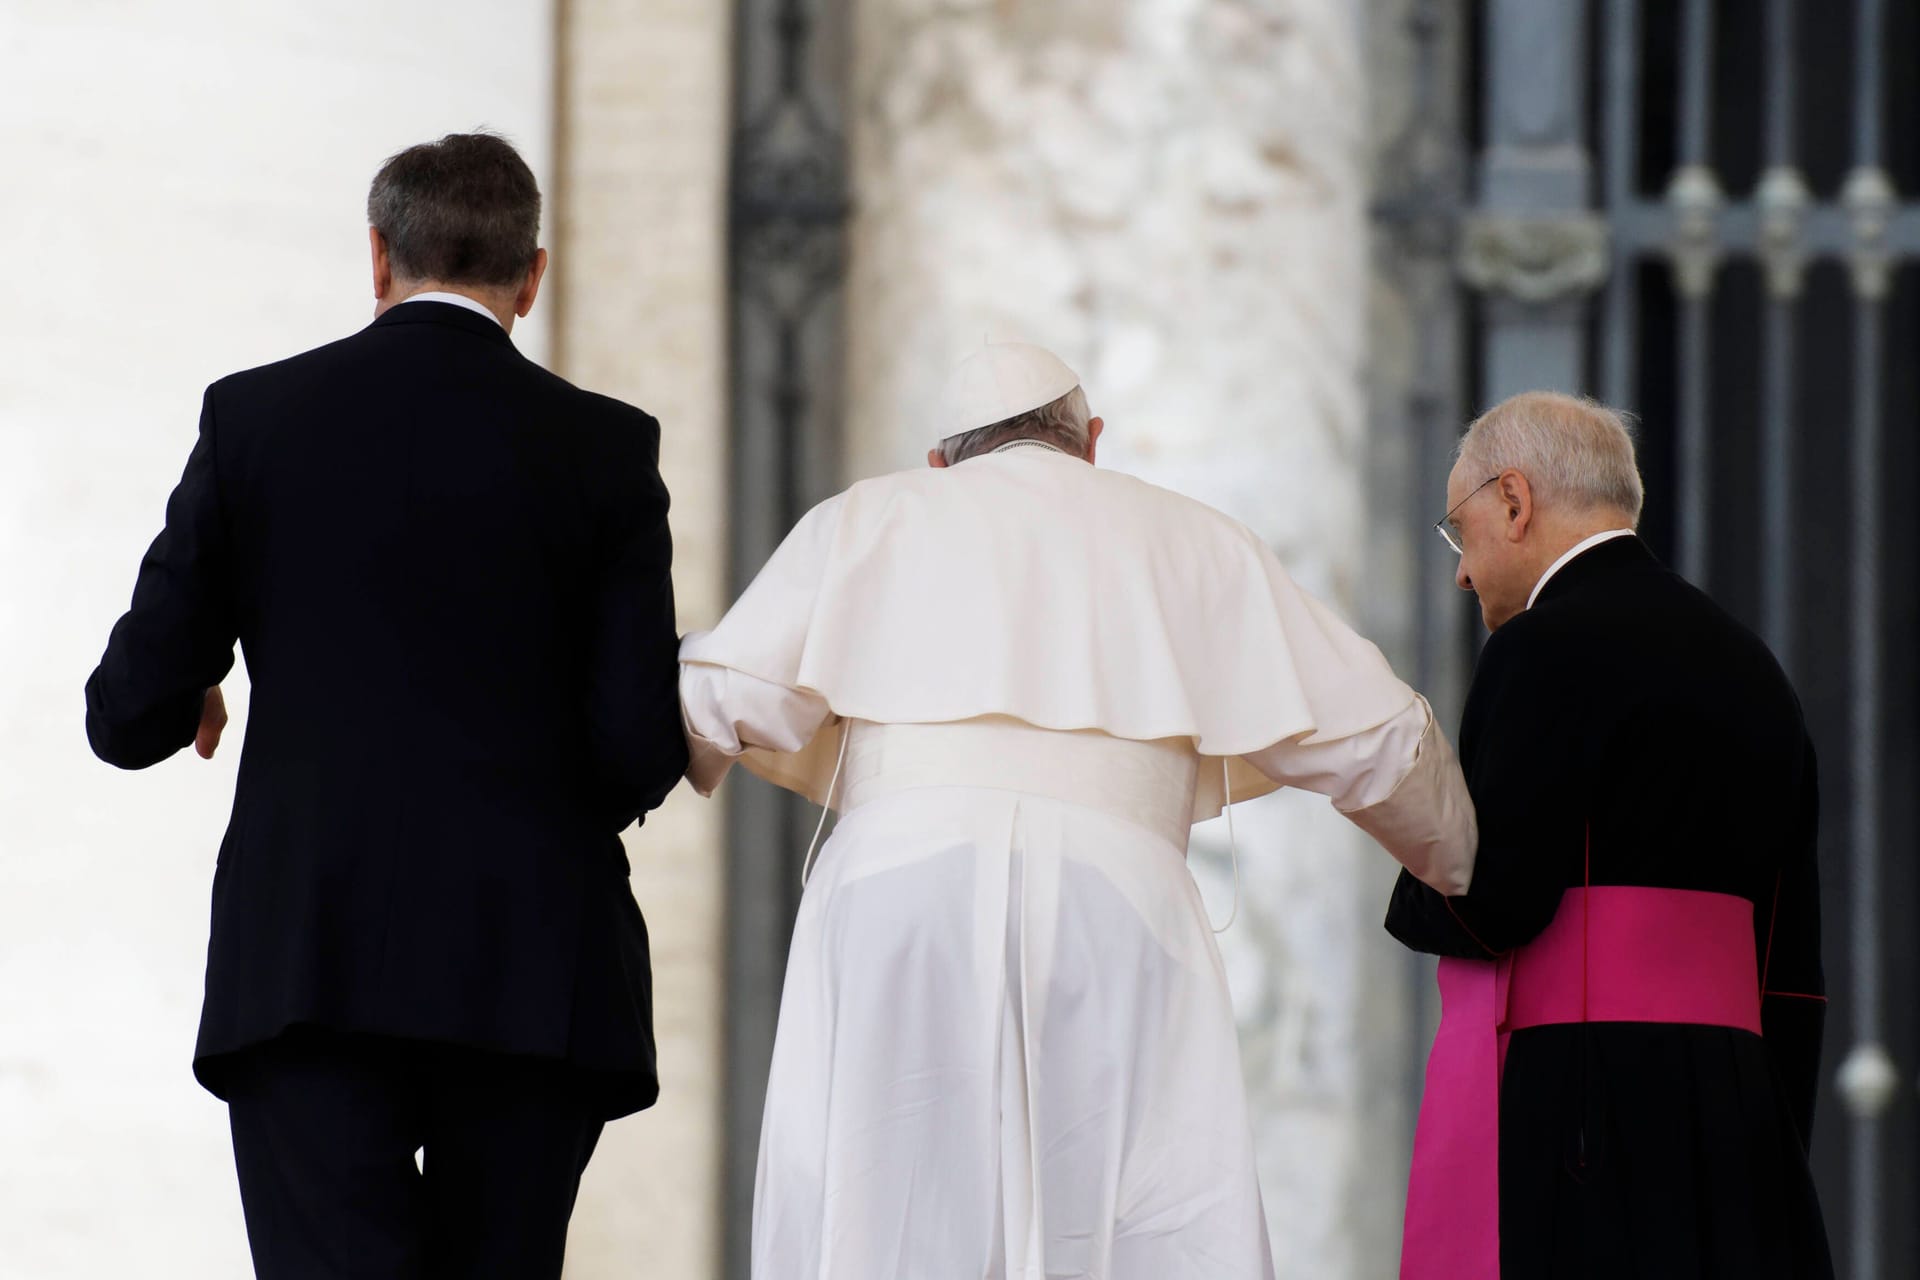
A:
x: 325, y: 1131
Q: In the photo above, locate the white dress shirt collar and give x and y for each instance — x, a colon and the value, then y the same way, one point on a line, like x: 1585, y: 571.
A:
x: 453, y: 299
x: 1577, y: 549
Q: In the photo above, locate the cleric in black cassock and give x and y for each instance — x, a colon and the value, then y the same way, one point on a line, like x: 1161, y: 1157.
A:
x: 1624, y: 733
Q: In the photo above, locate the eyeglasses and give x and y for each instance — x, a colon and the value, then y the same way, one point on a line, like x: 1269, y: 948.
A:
x: 1444, y: 525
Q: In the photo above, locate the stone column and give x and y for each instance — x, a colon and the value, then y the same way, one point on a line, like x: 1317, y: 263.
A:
x: 638, y: 229
x: 1170, y: 193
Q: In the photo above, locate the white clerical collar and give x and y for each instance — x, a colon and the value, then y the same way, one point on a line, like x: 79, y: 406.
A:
x: 453, y: 299
x: 1578, y: 548
x: 1028, y: 444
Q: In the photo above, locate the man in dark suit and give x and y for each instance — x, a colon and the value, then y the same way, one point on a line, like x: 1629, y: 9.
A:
x: 1640, y: 944
x: 449, y: 572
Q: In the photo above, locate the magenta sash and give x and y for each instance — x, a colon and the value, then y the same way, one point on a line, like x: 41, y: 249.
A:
x: 1612, y: 954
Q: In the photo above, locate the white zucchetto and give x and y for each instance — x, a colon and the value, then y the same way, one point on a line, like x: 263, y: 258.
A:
x: 1002, y: 380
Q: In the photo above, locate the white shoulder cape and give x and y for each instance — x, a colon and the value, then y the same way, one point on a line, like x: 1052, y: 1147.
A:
x: 1032, y: 585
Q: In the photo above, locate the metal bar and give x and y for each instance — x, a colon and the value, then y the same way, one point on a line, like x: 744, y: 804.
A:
x: 1695, y: 523
x: 1433, y: 405
x: 787, y: 211
x: 1534, y: 166
x: 1869, y: 72
x: 1695, y: 197
x: 1780, y: 82
x: 1647, y: 226
x: 1776, y: 481
x: 1695, y: 278
x: 1783, y: 198
x: 1536, y: 107
x: 1421, y: 174
x: 1619, y: 373
x: 1868, y: 1065
x: 1865, y: 724
x: 1696, y: 88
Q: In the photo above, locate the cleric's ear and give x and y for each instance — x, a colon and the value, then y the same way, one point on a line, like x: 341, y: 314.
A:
x: 936, y: 459
x: 1516, y: 495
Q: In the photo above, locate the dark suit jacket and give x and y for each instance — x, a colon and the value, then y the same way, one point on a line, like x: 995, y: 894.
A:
x: 1627, y: 701
x: 449, y: 572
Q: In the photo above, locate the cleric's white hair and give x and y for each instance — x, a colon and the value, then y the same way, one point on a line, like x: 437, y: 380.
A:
x: 1575, y: 452
x: 1061, y: 423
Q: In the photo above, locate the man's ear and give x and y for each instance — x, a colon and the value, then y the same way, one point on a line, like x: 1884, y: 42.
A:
x: 382, y: 264
x: 1094, y: 427
x: 1516, y: 495
x: 530, y: 287
x: 936, y: 459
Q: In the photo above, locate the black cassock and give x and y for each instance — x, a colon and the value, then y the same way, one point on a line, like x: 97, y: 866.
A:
x: 1627, y: 703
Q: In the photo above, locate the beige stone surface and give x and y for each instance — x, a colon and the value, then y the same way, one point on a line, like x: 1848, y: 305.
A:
x: 639, y: 265
x: 1171, y: 194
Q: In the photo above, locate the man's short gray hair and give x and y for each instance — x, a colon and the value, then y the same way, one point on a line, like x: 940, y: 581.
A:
x: 1061, y: 423
x: 463, y: 210
x: 1575, y: 452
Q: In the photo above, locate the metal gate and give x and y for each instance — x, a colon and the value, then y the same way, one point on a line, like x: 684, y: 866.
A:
x: 788, y: 211
x: 1695, y: 211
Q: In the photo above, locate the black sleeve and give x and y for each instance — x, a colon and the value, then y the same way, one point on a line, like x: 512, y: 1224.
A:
x: 1787, y: 939
x: 639, y: 746
x: 1422, y: 918
x: 1520, y: 747
x: 176, y: 641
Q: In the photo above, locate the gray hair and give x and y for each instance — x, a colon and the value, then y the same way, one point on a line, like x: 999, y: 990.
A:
x: 463, y: 210
x: 1575, y: 452
x: 1061, y: 423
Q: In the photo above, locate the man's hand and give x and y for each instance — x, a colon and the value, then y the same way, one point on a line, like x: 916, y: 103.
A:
x: 213, y: 719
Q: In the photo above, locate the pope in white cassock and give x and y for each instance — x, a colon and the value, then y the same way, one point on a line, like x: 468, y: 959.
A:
x: 1006, y: 1047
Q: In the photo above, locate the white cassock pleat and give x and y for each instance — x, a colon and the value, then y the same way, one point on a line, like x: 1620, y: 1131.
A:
x: 1005, y: 1051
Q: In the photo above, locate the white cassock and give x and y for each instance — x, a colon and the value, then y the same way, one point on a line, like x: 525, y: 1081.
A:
x: 1006, y: 1047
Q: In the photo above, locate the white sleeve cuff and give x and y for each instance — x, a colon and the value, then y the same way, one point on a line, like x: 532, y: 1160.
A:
x: 725, y: 713
x: 1427, y: 822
